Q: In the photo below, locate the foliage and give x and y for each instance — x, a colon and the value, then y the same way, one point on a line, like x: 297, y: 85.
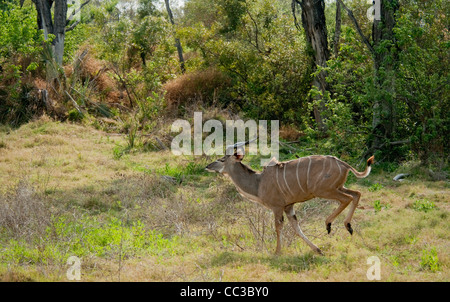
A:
x: 429, y: 260
x: 87, y: 237
x: 378, y: 206
x: 20, y: 46
x: 415, y: 87
x: 375, y: 187
x: 422, y: 79
x: 261, y: 67
x: 261, y: 53
x: 423, y: 205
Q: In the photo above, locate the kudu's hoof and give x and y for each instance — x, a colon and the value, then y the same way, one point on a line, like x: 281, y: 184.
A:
x: 349, y: 228
x: 318, y: 251
x: 329, y: 227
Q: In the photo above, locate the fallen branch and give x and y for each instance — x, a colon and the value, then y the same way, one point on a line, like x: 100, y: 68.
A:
x: 161, y: 144
x: 74, y: 102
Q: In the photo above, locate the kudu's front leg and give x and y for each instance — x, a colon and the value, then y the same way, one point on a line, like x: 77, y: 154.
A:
x: 289, y: 210
x: 279, y: 219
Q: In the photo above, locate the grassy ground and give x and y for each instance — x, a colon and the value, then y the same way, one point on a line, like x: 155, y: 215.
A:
x: 67, y: 190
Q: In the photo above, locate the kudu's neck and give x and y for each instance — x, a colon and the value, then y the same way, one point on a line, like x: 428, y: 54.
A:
x: 245, y: 178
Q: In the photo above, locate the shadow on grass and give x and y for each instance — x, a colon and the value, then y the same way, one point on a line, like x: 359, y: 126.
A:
x: 286, y: 263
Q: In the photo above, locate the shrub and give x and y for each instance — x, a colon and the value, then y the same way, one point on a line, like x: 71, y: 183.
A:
x: 430, y: 260
x: 375, y: 187
x: 23, y: 213
x: 423, y: 205
x: 20, y: 45
x: 378, y: 206
x: 205, y: 86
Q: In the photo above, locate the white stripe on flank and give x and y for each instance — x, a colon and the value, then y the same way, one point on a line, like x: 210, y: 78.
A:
x: 298, y: 180
x: 281, y: 190
x: 339, y: 166
x: 340, y: 172
x: 284, y: 175
x: 331, y: 164
x: 319, y: 180
x: 307, y: 173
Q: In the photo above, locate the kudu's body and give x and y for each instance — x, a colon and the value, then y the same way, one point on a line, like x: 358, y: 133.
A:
x: 282, y: 184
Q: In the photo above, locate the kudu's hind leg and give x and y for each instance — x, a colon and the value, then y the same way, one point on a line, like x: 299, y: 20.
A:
x: 289, y: 210
x: 344, y: 200
x: 356, y: 196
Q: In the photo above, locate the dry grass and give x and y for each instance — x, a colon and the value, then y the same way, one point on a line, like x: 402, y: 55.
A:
x: 290, y: 133
x: 86, y: 68
x: 204, y: 86
x: 64, y: 185
x: 23, y: 212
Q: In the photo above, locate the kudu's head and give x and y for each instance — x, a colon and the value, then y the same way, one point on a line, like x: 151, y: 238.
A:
x: 223, y: 164
x: 233, y: 155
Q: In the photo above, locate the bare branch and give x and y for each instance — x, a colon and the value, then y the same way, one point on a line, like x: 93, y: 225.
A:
x: 256, y: 45
x: 71, y: 27
x: 358, y: 28
x: 293, y: 7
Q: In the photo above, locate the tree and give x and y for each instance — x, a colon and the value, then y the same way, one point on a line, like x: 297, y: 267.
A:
x: 385, y: 60
x: 383, y: 50
x: 21, y: 46
x: 58, y: 26
x: 314, y: 25
x: 177, y: 40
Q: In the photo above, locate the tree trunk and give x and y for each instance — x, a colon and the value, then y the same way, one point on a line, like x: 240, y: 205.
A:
x: 313, y: 22
x: 337, y: 30
x: 56, y: 25
x: 59, y: 29
x: 177, y: 41
x: 385, y: 58
x: 44, y: 16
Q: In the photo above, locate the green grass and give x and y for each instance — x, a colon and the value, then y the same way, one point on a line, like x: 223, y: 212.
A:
x: 126, y: 218
x: 423, y: 205
x: 87, y: 237
x: 430, y: 260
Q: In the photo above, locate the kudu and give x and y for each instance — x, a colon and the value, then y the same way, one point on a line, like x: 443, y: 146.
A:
x: 282, y: 184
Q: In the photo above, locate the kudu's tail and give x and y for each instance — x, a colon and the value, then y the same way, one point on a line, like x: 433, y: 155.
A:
x: 366, y: 172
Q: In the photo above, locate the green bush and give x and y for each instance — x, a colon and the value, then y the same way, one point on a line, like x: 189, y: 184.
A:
x: 264, y: 57
x: 20, y: 46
